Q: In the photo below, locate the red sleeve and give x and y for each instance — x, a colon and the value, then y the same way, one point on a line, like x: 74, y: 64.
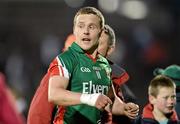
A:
x: 121, y: 79
x: 54, y: 68
x: 57, y: 68
x: 40, y: 110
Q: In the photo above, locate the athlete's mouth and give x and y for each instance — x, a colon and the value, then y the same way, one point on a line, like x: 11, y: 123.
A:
x: 85, y: 39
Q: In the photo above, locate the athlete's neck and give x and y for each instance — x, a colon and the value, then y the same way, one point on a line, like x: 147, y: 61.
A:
x: 93, y: 55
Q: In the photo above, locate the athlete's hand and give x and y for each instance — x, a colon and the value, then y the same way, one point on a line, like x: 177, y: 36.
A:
x: 131, y: 110
x: 102, y: 101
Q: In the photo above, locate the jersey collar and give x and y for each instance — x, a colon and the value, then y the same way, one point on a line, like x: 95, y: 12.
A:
x: 77, y: 48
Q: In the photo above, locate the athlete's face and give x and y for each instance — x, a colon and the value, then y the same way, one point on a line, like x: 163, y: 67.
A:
x: 87, y: 31
x: 104, y: 48
x: 165, y: 100
x: 103, y: 44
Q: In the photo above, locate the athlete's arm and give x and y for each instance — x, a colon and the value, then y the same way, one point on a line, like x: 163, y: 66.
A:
x: 58, y: 94
x: 120, y: 108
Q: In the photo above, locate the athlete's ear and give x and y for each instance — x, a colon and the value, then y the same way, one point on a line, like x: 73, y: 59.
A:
x: 152, y: 99
x: 110, y: 50
x: 101, y: 32
x: 73, y: 29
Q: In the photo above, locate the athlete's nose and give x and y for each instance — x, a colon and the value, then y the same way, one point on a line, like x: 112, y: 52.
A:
x: 86, y: 30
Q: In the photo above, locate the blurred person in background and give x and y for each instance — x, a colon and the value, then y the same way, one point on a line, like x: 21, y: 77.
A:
x: 173, y: 72
x: 70, y: 39
x: 119, y: 76
x: 9, y: 113
x: 41, y: 111
x: 162, y: 101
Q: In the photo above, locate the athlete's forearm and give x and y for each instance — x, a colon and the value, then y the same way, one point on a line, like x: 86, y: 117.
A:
x: 128, y: 109
x: 118, y: 105
x: 64, y: 97
x: 58, y: 94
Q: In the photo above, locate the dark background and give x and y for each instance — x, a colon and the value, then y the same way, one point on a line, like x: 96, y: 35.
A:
x: 32, y: 33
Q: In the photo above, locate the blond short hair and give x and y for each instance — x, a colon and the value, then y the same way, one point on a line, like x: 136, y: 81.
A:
x: 159, y: 82
x: 91, y: 10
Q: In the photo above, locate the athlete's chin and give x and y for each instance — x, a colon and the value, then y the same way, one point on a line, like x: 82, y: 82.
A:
x: 85, y: 47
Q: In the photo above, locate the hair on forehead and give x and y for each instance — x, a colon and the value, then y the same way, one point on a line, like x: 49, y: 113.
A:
x: 91, y: 10
x: 110, y: 32
x: 158, y: 82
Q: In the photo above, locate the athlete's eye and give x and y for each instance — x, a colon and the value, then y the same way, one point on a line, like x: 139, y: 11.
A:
x: 80, y: 25
x: 92, y: 27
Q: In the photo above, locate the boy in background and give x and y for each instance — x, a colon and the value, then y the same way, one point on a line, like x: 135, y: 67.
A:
x: 162, y: 101
x: 173, y: 72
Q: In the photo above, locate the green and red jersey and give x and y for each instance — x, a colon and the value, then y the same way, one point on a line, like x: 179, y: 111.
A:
x: 85, y: 75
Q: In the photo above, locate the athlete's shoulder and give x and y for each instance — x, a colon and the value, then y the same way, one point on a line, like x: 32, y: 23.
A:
x: 68, y: 56
x: 102, y: 59
x: 73, y: 51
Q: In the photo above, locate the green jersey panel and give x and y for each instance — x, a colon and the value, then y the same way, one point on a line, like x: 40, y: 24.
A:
x: 86, y: 76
